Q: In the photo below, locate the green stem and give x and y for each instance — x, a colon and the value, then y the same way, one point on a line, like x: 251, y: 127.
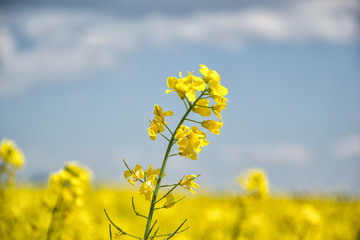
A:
x: 190, y: 120
x: 53, y: 220
x: 167, y: 153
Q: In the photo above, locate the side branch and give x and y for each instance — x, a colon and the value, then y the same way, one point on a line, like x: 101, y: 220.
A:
x: 177, y: 230
x: 118, y: 228
x: 133, y: 205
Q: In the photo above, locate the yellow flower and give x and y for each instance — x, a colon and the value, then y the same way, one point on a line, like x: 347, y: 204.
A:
x: 147, y: 187
x: 157, y: 124
x: 188, y: 183
x: 186, y: 86
x: 160, y: 116
x: 255, y: 183
x: 70, y: 182
x: 202, y: 108
x: 134, y: 175
x: 310, y: 215
x: 218, y: 91
x: 11, y: 154
x: 208, y: 74
x: 151, y: 171
x: 212, y: 126
x: 190, y: 141
x: 153, y: 130
x: 217, y: 108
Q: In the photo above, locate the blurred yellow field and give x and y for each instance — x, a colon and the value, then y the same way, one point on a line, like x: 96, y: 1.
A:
x: 26, y: 213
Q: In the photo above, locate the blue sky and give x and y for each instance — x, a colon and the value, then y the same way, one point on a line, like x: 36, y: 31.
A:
x: 79, y: 82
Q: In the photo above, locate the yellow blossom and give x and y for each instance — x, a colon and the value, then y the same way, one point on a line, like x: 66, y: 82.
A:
x: 217, y: 108
x: 255, y: 183
x: 202, y: 108
x: 157, y: 124
x: 134, y: 175
x: 151, y: 171
x: 190, y: 141
x: 147, y: 188
x: 160, y: 115
x: 212, y: 126
x: 11, y: 154
x: 218, y: 91
x: 209, y: 74
x: 153, y: 130
x: 188, y: 183
x: 70, y: 182
x: 186, y: 86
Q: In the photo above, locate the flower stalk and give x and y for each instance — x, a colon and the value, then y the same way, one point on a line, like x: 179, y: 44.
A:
x: 190, y: 142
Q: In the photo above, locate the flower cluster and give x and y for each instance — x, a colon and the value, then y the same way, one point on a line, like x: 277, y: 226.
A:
x: 255, y: 183
x: 157, y: 125
x: 147, y: 178
x: 11, y: 159
x: 70, y: 183
x: 11, y: 154
x: 186, y: 86
x: 190, y: 141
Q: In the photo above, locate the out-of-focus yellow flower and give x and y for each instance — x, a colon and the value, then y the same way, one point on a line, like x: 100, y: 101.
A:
x: 11, y: 154
x: 186, y: 86
x: 209, y: 74
x: 202, y: 108
x: 310, y: 215
x: 188, y: 183
x: 212, y: 126
x: 147, y: 188
x: 169, y: 201
x: 134, y: 175
x: 157, y: 124
x: 70, y: 183
x: 190, y: 141
x: 255, y: 183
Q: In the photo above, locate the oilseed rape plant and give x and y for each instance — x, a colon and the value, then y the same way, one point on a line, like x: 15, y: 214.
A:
x: 195, y: 92
x: 69, y: 184
x: 11, y: 159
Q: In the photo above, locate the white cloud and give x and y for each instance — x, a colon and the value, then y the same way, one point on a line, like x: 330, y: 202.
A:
x: 65, y: 45
x: 348, y: 148
x: 269, y: 153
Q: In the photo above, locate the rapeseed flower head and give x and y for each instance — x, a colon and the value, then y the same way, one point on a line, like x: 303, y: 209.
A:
x: 158, y: 123
x: 134, y: 174
x: 147, y: 188
x: 11, y: 154
x: 188, y: 183
x: 190, y: 141
x: 186, y: 86
x: 70, y: 183
x: 255, y: 183
x: 212, y: 126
